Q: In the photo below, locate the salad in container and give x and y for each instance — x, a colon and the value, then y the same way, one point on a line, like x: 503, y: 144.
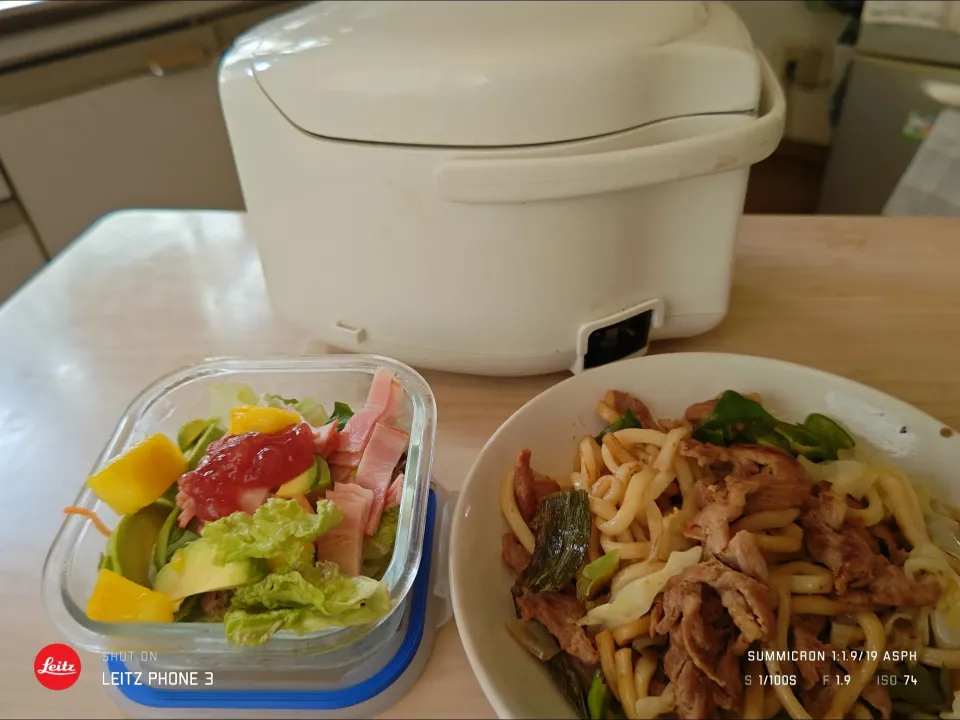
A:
x: 271, y: 506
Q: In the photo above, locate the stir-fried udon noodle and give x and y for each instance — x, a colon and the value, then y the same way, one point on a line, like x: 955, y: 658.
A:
x: 732, y: 564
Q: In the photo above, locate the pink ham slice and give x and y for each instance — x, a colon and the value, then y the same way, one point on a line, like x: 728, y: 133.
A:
x: 349, y: 488
x: 326, y: 439
x: 381, y: 456
x: 250, y: 500
x: 346, y: 459
x: 343, y: 543
x: 358, y: 429
x: 394, y: 408
x: 340, y: 473
x: 394, y: 492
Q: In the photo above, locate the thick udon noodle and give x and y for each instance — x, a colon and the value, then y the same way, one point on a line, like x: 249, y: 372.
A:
x: 626, y: 474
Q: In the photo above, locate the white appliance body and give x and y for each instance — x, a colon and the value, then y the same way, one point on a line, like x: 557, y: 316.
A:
x: 487, y: 259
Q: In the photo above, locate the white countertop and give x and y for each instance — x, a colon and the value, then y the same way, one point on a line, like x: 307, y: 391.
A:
x: 143, y: 293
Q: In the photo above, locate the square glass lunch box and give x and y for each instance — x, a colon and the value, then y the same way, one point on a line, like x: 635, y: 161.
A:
x: 71, y: 566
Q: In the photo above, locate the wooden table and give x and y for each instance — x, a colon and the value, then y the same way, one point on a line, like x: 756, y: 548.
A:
x: 873, y: 299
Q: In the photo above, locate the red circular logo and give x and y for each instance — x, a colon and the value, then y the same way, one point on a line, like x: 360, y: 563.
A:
x: 57, y: 666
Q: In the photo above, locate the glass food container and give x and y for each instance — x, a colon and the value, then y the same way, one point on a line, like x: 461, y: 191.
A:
x: 71, y: 566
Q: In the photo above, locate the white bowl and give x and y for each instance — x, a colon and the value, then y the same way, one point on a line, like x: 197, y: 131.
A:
x: 552, y: 424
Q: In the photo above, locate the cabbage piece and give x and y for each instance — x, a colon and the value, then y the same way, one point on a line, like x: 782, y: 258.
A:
x: 954, y: 712
x: 654, y: 706
x: 277, y: 530
x: 944, y: 530
x: 848, y: 477
x: 635, y: 599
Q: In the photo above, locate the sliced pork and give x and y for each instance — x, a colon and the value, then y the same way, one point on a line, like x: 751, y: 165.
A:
x: 515, y: 555
x: 623, y: 401
x: 781, y: 481
x: 530, y: 488
x: 891, y: 587
x: 892, y: 541
x: 811, y: 671
x: 749, y: 602
x: 559, y: 613
x: 721, y: 504
x: 848, y: 551
x: 698, y: 412
x: 711, y: 614
x: 381, y: 455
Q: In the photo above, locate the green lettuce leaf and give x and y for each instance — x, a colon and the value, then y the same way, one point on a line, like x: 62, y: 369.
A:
x: 277, y: 531
x: 312, y: 412
x: 341, y: 413
x: 381, y: 543
x: 225, y: 396
x: 378, y: 550
x: 303, y: 602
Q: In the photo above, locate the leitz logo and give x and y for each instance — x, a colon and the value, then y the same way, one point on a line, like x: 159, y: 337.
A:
x: 57, y: 666
x: 61, y: 668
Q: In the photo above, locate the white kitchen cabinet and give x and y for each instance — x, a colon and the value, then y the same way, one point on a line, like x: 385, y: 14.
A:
x: 20, y: 254
x: 146, y: 141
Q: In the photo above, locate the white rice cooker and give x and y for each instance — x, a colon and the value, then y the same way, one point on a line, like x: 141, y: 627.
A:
x: 501, y: 188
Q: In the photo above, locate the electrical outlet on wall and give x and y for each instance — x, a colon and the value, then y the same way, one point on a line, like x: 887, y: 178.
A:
x: 803, y: 66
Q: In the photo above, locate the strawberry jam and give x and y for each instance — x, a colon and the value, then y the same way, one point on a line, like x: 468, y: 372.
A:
x: 239, y: 471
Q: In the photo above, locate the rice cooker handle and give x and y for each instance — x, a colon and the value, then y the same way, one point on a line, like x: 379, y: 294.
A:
x: 531, y: 179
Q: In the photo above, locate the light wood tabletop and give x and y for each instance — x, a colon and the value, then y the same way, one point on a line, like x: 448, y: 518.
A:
x: 142, y: 293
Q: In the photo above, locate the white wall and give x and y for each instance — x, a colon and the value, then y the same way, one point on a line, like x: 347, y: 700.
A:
x: 777, y: 25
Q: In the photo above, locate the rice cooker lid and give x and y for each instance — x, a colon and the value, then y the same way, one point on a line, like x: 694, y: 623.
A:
x: 502, y: 73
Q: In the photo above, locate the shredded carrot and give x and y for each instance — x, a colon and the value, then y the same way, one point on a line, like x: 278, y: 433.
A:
x: 89, y: 515
x: 305, y: 504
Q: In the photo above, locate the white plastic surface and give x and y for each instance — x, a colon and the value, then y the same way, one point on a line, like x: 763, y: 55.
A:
x: 446, y: 270
x: 553, y: 423
x: 502, y: 73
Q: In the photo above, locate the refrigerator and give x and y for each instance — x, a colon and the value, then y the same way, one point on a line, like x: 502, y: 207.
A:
x: 899, y: 80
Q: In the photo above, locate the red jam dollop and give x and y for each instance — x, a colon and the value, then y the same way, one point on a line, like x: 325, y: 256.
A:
x: 239, y: 471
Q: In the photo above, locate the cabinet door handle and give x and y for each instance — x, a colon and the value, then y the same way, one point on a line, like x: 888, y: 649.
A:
x: 178, y: 60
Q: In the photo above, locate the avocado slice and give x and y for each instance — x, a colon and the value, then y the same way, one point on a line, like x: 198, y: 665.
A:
x: 130, y: 546
x: 190, y: 432
x: 193, y: 570
x: 171, y: 538
x: 169, y: 498
x: 316, y: 477
x: 195, y: 452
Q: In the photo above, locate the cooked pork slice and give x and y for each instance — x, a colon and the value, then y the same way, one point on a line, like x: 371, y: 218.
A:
x: 514, y: 554
x: 891, y: 540
x: 530, y: 488
x: 721, y: 504
x: 694, y: 697
x: 848, y: 551
x: 698, y: 412
x: 559, y: 613
x: 811, y: 671
x: 625, y: 401
x: 890, y: 586
x: 743, y: 553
